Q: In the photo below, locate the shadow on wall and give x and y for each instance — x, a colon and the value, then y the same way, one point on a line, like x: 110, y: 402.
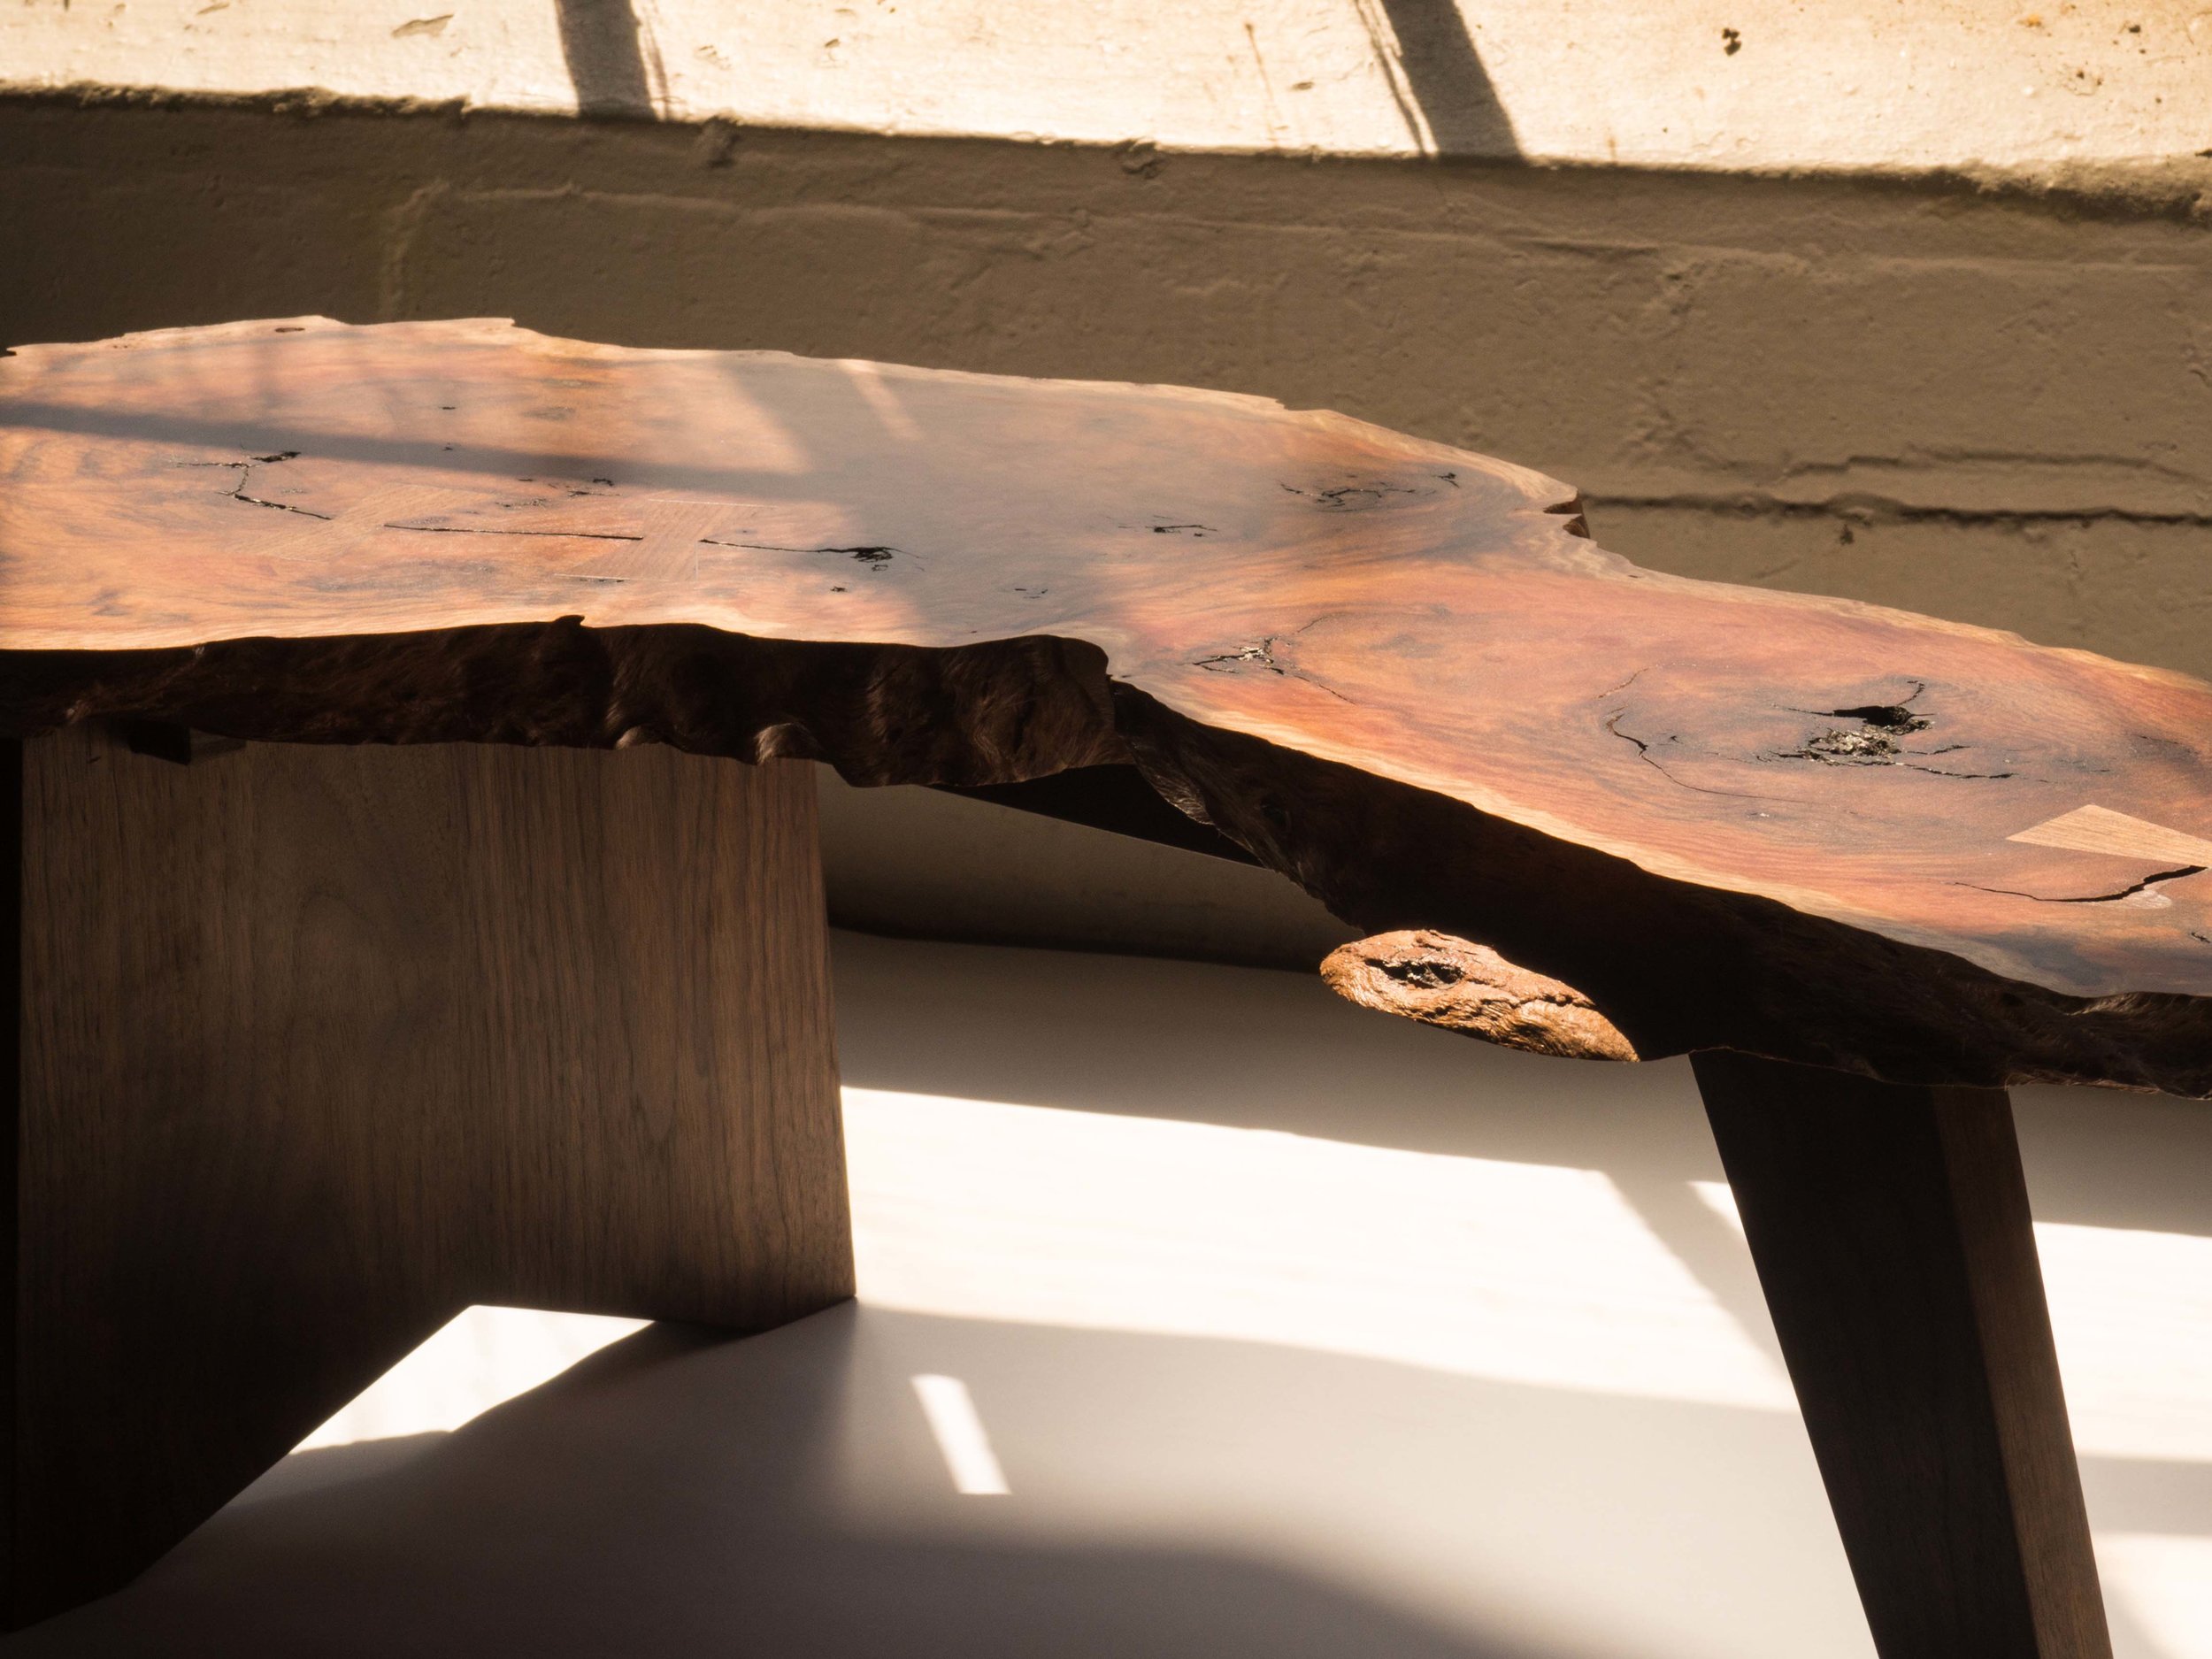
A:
x: 1444, y: 79
x: 1428, y: 57
x: 602, y: 44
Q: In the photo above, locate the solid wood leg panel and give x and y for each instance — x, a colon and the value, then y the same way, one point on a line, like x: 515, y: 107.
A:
x: 320, y: 1045
x: 1890, y: 1228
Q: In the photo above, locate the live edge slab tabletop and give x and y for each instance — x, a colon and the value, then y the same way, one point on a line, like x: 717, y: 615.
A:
x: 1397, y: 672
x: 1859, y: 862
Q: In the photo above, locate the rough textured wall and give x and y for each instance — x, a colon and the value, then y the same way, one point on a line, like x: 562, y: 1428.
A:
x: 1994, y: 406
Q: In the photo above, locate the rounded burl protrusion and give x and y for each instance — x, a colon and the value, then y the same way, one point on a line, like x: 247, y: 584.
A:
x: 1468, y: 987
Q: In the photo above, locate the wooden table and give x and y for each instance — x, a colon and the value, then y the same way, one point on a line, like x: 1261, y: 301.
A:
x: 322, y: 1037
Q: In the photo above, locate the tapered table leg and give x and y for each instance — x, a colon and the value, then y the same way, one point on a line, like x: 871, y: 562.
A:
x: 315, y: 1046
x: 1891, y: 1231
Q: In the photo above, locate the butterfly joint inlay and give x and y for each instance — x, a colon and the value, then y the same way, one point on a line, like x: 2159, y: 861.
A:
x: 2096, y: 829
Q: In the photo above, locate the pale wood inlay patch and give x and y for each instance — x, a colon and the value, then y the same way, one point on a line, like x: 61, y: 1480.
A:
x: 301, y: 535
x: 667, y: 550
x: 2096, y: 829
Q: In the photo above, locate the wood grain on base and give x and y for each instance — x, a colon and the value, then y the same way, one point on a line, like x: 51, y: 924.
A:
x: 1391, y: 670
x: 319, y: 1046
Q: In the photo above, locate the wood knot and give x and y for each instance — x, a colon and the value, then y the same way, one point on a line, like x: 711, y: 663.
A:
x: 1468, y: 987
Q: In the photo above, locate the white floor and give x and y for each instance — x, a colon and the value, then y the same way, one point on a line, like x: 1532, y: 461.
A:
x: 1202, y: 1315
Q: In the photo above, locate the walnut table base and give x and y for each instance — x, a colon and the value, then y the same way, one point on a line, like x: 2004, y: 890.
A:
x: 319, y: 1046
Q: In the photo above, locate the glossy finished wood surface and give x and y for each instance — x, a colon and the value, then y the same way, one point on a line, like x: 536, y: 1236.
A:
x: 1392, y: 670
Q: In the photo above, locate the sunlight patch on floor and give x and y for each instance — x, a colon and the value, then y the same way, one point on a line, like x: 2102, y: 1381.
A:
x: 1519, y: 1272
x: 961, y: 1436
x: 2165, y: 1582
x: 2131, y: 1315
x: 478, y: 1358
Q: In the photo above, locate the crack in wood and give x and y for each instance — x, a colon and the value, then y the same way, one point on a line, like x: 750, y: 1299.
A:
x: 2144, y: 886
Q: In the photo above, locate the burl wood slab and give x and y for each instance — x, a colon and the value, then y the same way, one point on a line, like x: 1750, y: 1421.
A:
x: 1703, y: 815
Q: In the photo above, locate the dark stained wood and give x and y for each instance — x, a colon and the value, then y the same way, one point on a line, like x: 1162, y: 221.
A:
x: 1891, y: 1229
x: 319, y: 1046
x: 1391, y: 670
x: 1114, y: 798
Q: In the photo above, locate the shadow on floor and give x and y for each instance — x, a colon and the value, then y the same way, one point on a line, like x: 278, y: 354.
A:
x: 681, y: 1493
x: 1172, y: 1494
